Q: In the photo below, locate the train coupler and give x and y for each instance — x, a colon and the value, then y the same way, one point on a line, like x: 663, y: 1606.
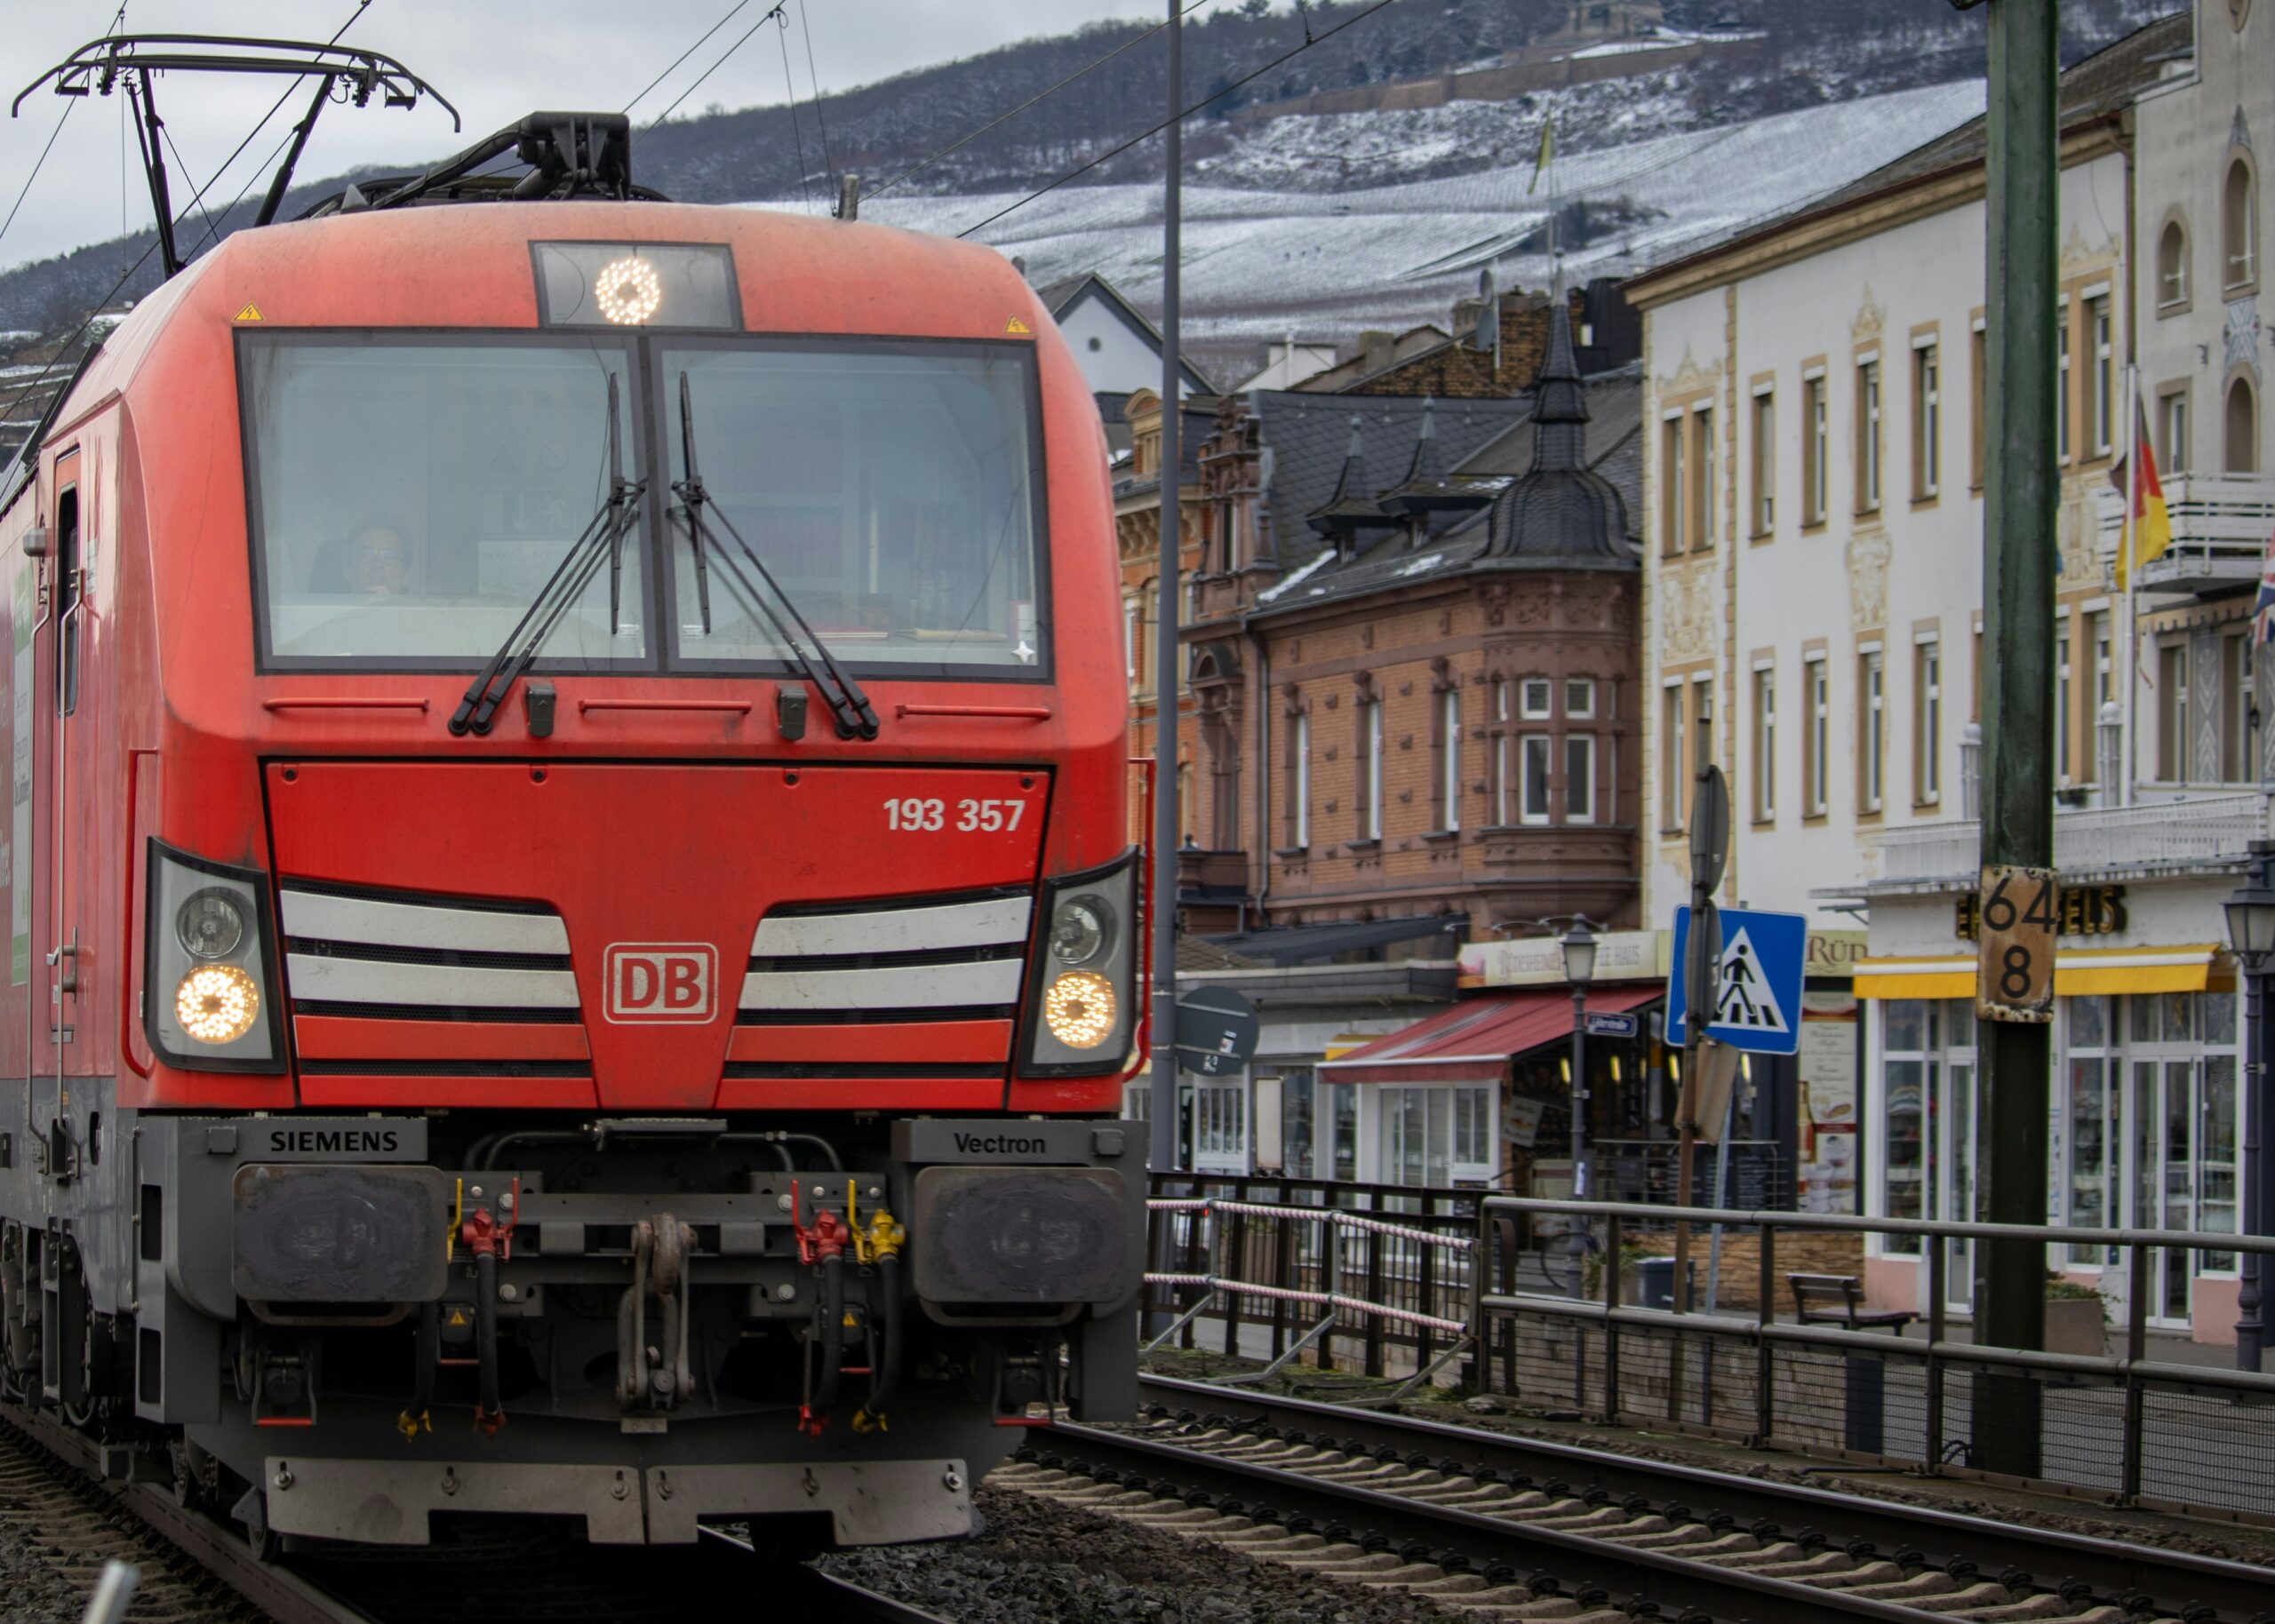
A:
x: 655, y: 1375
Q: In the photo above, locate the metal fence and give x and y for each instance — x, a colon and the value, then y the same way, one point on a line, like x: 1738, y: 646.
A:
x: 2120, y: 1425
x: 1369, y: 1277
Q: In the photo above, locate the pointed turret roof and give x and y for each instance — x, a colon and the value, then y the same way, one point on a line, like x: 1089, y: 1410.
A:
x: 1425, y: 488
x: 1353, y: 508
x: 1560, y: 508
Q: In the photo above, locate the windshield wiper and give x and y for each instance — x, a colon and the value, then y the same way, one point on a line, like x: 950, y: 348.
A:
x: 856, y: 717
x: 478, y: 710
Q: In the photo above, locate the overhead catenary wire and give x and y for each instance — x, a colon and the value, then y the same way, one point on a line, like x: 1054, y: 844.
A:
x: 918, y: 169
x: 805, y: 26
x: 716, y: 65
x: 725, y: 17
x: 1185, y: 113
x: 790, y: 89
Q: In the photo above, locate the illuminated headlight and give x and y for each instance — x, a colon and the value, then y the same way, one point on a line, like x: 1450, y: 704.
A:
x: 628, y: 290
x: 208, y: 997
x: 1080, y: 1009
x: 217, y: 1003
x: 1083, y: 993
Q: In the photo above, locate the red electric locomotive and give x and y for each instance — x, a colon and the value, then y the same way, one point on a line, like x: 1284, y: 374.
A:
x: 572, y: 945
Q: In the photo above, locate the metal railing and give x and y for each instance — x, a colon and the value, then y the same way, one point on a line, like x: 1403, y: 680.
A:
x: 2179, y: 829
x: 2121, y: 1425
x: 2220, y: 523
x: 1355, y: 1275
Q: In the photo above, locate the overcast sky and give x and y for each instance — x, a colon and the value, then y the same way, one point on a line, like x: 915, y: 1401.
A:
x: 495, y: 60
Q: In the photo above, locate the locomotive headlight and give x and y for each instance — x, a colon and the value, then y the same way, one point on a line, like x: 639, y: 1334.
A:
x: 210, y: 925
x: 1082, y: 991
x: 628, y: 291
x: 208, y: 993
x: 217, y: 1003
x: 1080, y: 930
x: 1080, y: 1009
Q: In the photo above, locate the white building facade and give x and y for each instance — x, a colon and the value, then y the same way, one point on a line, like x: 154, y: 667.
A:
x: 1812, y: 624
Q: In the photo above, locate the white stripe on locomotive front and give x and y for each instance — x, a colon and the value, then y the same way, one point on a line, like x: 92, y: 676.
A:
x: 926, y: 986
x: 317, y: 916
x: 992, y: 923
x: 369, y: 981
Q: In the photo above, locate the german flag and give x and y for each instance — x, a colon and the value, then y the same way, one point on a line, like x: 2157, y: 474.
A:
x: 2149, y: 532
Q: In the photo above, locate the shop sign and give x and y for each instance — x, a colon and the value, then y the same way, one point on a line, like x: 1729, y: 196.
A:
x: 1834, y: 953
x: 1538, y: 961
x: 2083, y: 911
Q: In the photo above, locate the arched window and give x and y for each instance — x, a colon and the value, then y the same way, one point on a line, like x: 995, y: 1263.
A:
x: 2242, y: 429
x: 2172, y: 266
x: 2239, y: 224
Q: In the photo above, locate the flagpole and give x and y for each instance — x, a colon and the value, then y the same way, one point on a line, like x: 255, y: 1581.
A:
x: 2128, y: 564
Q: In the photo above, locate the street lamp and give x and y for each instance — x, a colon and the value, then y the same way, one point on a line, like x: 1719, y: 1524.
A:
x: 1579, y: 945
x: 2251, y: 932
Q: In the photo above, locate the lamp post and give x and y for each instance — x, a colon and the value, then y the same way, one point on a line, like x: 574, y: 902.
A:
x: 1579, y: 945
x: 2251, y: 932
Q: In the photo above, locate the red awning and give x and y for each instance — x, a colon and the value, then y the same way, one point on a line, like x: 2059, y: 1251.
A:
x: 1472, y: 1042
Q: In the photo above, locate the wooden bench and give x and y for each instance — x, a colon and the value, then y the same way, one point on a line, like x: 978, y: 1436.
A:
x: 1838, y: 1300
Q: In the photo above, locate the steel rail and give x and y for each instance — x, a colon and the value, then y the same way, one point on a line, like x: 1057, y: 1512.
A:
x: 283, y: 1596
x: 2234, y: 1588
x: 1678, y: 1585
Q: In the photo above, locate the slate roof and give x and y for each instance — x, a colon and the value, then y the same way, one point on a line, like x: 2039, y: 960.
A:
x: 1309, y: 436
x: 1560, y: 509
x: 1615, y: 425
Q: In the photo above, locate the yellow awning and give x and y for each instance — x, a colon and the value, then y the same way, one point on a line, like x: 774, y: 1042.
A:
x: 2085, y: 972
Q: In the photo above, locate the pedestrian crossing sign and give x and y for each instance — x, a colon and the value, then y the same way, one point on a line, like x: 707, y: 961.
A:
x: 1758, y: 986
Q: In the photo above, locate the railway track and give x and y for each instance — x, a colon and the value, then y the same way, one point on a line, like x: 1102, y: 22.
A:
x: 1519, y: 1527
x: 198, y: 1571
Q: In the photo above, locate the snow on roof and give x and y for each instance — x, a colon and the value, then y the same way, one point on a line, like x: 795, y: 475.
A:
x: 1273, y: 592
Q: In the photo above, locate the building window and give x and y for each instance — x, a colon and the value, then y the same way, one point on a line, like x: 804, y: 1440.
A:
x: 2062, y: 386
x: 1911, y: 1068
x: 1298, y: 1122
x: 2172, y: 713
x: 1671, y: 757
x: 1702, y: 478
x: 1370, y: 769
x: 2239, y: 728
x: 2239, y: 225
x: 1979, y: 358
x: 2104, y: 685
x: 2086, y: 1097
x: 1702, y: 723
x: 2064, y: 716
x: 1537, y: 756
x: 1433, y: 1137
x: 1813, y: 468
x: 1926, y: 421
x: 1129, y: 636
x: 1220, y: 1126
x: 1674, y: 488
x: 1579, y: 779
x: 2242, y: 429
x: 1448, y: 743
x: 2172, y: 266
x: 2173, y: 453
x: 2101, y: 377
x: 1817, y: 743
x: 1579, y: 698
x: 1871, y: 724
x: 1504, y: 777
x: 1299, y: 781
x: 1765, y: 746
x: 1928, y: 723
x: 1765, y: 463
x: 1868, y: 436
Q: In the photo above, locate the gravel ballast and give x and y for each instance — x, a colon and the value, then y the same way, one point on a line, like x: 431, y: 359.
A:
x: 1039, y: 1560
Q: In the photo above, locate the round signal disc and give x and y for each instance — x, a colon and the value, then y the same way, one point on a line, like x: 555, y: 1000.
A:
x: 1079, y: 1010
x: 628, y: 291
x: 217, y: 1003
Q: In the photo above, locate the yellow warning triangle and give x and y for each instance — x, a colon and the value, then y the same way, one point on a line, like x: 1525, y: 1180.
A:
x: 250, y: 313
x: 1013, y: 325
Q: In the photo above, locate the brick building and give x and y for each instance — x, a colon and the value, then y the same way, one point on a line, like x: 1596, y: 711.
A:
x: 1413, y: 657
x: 1138, y: 545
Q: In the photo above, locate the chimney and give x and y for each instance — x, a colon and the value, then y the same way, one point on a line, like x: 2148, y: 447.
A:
x: 1375, y: 346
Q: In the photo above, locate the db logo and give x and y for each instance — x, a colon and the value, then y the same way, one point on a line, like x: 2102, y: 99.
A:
x: 661, y: 981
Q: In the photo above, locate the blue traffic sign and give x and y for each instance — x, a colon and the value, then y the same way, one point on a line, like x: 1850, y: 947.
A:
x: 1601, y: 1025
x: 1758, y: 991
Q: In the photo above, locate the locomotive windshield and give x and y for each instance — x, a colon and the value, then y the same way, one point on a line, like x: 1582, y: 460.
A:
x: 412, y: 494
